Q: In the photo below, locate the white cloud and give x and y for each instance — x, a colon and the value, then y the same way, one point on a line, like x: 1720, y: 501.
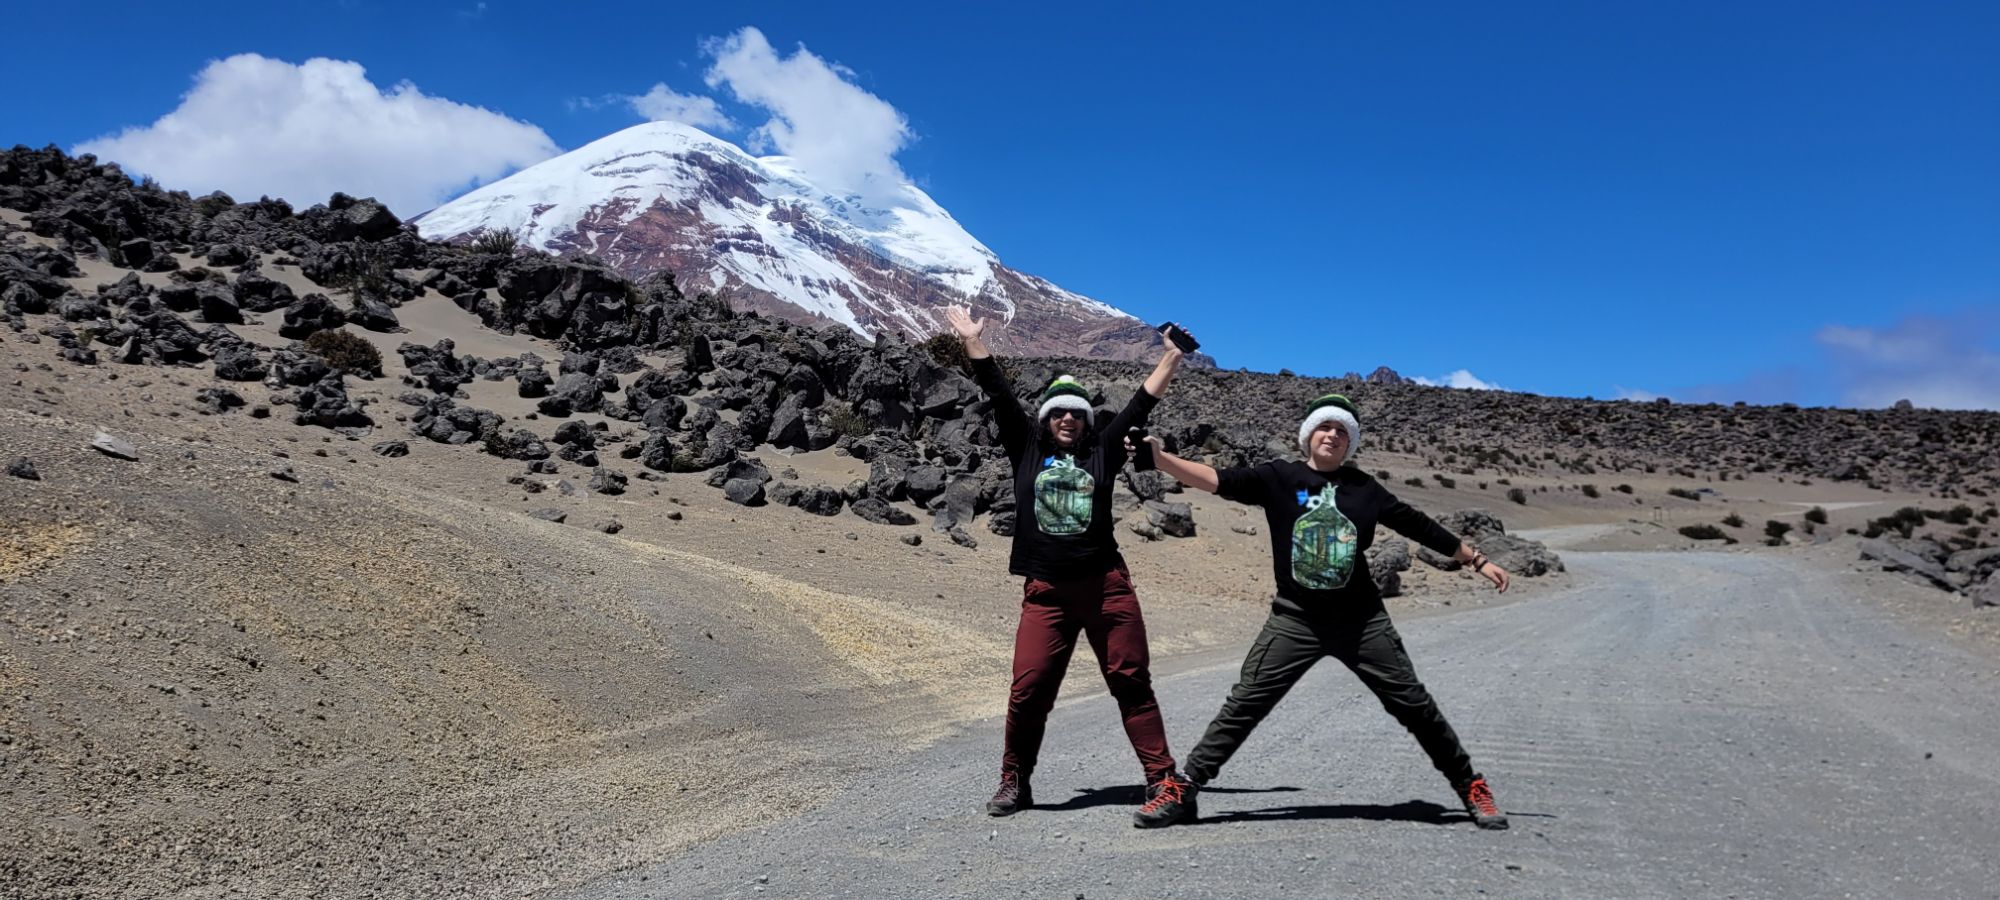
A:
x: 840, y: 135
x: 1459, y: 379
x: 255, y: 126
x: 663, y: 104
x: 1935, y: 362
x: 1639, y: 395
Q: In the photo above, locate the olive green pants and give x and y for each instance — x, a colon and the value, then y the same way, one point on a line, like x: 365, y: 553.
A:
x: 1291, y: 644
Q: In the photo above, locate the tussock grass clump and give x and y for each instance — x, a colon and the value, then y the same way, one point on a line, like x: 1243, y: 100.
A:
x: 346, y: 351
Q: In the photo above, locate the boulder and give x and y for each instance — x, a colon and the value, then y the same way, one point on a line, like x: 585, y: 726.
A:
x: 325, y: 403
x: 392, y: 449
x: 1172, y: 519
x: 744, y: 491
x: 216, y: 400
x: 881, y: 512
x: 1387, y: 559
x: 313, y: 312
x: 239, y: 362
x: 1985, y: 593
x: 924, y: 482
x: 114, y: 447
x: 535, y: 382
x: 657, y: 453
x: 746, y: 467
x: 1896, y: 559
x: 888, y: 477
x: 258, y: 293
x: 606, y: 481
x: 373, y: 313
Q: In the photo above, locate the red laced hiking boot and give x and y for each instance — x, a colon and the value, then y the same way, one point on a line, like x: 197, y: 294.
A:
x: 1169, y: 801
x: 1478, y: 799
x: 1013, y: 796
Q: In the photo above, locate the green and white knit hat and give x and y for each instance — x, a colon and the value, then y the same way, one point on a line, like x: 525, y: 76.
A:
x: 1066, y: 393
x: 1331, y: 408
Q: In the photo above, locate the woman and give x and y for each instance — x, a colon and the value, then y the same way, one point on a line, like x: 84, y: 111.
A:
x: 1322, y: 515
x: 1076, y: 581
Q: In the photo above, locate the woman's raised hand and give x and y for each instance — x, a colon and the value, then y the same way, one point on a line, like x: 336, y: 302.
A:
x: 968, y: 328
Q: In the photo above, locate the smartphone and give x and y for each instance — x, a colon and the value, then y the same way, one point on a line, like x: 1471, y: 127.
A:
x: 1180, y: 337
x: 1142, y: 452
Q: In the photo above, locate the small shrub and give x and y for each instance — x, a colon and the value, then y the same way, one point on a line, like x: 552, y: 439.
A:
x: 1590, y: 490
x: 1776, y: 531
x: 948, y: 351
x: 1959, y: 515
x: 846, y: 421
x: 1444, y: 482
x: 1414, y: 481
x: 1684, y: 494
x: 1623, y: 489
x: 1733, y: 520
x: 1703, y: 532
x: 1383, y: 475
x: 347, y: 352
x: 1816, y: 515
x: 498, y: 243
x: 1518, y: 496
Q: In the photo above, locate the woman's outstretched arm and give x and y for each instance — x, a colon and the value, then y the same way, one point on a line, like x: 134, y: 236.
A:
x: 1016, y: 432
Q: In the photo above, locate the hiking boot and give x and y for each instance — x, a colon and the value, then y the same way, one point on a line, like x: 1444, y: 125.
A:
x: 1013, y: 796
x: 1478, y: 799
x: 1169, y: 801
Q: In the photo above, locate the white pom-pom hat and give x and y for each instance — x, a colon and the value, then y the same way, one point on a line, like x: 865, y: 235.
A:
x: 1331, y: 408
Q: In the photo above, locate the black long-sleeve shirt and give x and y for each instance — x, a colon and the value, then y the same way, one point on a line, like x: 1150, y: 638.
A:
x: 1062, y: 496
x: 1322, y: 524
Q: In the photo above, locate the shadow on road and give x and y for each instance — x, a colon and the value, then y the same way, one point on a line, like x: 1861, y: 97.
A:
x: 1422, y: 811
x: 1133, y: 795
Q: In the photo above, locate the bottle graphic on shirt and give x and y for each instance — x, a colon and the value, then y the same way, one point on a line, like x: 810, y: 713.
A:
x: 1062, y: 497
x: 1323, y: 543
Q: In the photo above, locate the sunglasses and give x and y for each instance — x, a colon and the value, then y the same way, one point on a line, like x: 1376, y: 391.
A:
x: 1065, y: 414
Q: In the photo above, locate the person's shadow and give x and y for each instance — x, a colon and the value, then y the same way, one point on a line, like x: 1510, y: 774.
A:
x: 1133, y: 795
x: 1419, y: 811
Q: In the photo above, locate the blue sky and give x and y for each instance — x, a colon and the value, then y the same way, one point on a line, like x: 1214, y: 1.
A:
x: 1713, y: 201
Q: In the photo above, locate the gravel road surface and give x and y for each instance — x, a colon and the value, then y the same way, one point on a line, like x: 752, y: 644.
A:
x: 1676, y: 725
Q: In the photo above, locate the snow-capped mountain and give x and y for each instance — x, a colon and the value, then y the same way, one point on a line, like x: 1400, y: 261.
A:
x: 755, y: 230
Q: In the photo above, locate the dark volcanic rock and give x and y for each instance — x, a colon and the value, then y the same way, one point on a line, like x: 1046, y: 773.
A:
x: 255, y: 292
x: 606, y: 481
x: 216, y: 400
x: 392, y: 449
x: 744, y: 491
x: 1172, y: 519
x: 436, y: 368
x: 881, y: 512
x: 23, y: 468
x: 312, y: 313
x: 325, y: 403
x: 535, y: 382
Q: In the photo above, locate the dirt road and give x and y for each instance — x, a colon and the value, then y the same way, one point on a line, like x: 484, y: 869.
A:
x: 1673, y: 725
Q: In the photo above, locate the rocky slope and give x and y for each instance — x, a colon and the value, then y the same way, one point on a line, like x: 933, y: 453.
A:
x: 667, y: 197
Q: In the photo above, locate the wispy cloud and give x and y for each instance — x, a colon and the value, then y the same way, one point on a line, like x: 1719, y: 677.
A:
x: 664, y: 104
x: 1640, y: 395
x: 255, y: 126
x: 1942, y: 362
x: 838, y: 133
x: 1459, y: 379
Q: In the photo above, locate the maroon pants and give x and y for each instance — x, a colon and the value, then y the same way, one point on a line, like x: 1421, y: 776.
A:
x: 1106, y: 610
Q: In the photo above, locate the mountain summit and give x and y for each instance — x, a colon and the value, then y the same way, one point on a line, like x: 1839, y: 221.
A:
x: 756, y: 230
